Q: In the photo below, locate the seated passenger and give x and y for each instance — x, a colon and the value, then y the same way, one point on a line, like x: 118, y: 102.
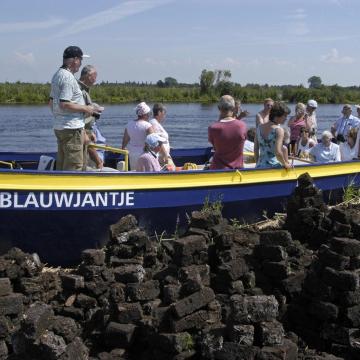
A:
x: 249, y: 142
x: 148, y: 161
x: 341, y: 127
x: 227, y: 136
x: 325, y: 151
x: 348, y: 149
x: 304, y: 144
x: 268, y: 149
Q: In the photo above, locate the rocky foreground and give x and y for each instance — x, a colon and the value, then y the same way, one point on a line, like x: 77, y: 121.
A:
x: 219, y: 292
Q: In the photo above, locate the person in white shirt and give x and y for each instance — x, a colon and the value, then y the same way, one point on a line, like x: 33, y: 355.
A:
x: 250, y: 138
x: 341, y: 127
x: 136, y: 132
x: 349, y: 149
x: 305, y: 144
x: 69, y: 110
x: 310, y: 118
x: 159, y: 113
x: 326, y: 151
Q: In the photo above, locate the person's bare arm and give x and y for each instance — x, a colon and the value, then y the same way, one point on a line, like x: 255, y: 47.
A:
x: 279, y: 146
x: 94, y: 156
x: 258, y: 119
x: 126, y: 139
x: 256, y: 149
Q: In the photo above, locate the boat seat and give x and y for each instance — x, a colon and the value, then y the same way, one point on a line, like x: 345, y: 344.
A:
x: 46, y: 163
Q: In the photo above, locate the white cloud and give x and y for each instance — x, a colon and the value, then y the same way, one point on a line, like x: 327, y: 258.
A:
x: 255, y: 62
x: 334, y: 58
x: 281, y: 62
x: 336, y: 2
x: 25, y: 58
x: 231, y: 61
x: 297, y: 22
x: 30, y: 25
x: 298, y: 14
x: 153, y: 61
x: 111, y: 15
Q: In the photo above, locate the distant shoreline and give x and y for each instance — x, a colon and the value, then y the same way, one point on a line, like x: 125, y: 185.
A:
x: 19, y: 93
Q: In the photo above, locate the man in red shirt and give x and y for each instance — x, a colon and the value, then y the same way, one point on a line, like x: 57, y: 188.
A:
x: 227, y: 136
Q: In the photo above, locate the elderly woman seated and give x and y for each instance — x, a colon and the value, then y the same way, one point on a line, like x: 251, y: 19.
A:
x: 349, y: 150
x: 148, y: 161
x: 326, y: 151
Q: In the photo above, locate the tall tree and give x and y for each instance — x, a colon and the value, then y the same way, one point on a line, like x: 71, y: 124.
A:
x: 170, y: 81
x: 315, y: 82
x: 207, y: 79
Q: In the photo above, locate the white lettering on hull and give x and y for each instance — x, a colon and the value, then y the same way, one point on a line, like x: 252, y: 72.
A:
x: 66, y: 200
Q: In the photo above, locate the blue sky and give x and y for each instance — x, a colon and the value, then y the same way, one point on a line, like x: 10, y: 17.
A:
x: 260, y: 41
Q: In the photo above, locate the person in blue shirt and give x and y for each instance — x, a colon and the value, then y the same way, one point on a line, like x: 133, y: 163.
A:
x: 341, y: 127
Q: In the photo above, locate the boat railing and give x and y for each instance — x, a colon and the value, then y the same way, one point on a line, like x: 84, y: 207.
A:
x: 114, y: 150
x: 6, y: 163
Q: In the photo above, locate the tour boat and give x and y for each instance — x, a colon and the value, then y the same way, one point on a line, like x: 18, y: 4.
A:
x: 57, y: 214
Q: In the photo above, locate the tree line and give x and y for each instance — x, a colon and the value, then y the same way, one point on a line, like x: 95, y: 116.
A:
x: 212, y: 84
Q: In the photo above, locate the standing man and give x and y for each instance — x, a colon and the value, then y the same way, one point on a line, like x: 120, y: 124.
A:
x: 87, y: 79
x: 342, y: 126
x: 68, y: 107
x: 227, y: 136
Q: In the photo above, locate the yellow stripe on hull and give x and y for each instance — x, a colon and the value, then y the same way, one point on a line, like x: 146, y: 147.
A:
x: 136, y: 181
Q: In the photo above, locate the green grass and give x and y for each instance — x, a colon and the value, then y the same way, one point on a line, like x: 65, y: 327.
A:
x: 351, y: 194
x: 210, y: 207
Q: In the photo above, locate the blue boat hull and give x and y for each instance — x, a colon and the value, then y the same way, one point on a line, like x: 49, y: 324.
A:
x: 59, y: 234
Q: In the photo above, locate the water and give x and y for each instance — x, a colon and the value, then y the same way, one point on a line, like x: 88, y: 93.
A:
x: 29, y: 128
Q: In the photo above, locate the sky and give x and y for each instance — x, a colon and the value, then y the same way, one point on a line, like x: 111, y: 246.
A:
x: 259, y: 41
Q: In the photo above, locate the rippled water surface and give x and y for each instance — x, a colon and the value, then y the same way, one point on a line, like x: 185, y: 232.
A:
x: 29, y: 128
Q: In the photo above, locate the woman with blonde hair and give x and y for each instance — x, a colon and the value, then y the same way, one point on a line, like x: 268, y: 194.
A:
x: 349, y: 149
x: 262, y: 117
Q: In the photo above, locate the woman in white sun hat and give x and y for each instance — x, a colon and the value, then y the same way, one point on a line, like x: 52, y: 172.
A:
x: 136, y: 132
x: 310, y: 118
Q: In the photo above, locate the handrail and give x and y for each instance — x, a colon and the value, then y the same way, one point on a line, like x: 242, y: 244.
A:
x: 248, y: 153
x: 114, y: 150
x: 9, y: 164
x: 308, y: 161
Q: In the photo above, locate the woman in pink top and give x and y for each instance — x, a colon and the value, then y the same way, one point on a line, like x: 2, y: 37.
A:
x: 295, y: 124
x: 228, y: 136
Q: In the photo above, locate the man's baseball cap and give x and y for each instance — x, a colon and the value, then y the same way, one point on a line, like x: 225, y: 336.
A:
x: 72, y: 52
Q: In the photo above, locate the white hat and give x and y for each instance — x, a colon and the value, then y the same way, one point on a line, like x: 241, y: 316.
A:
x: 142, y: 109
x: 312, y: 103
x: 154, y: 140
